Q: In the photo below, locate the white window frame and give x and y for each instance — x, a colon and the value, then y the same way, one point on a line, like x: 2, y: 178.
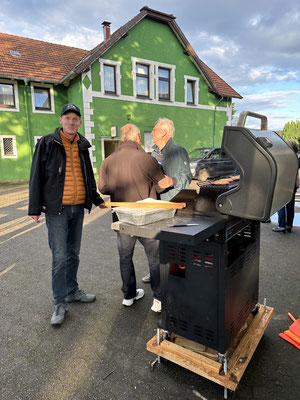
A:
x: 153, y: 78
x: 16, y: 94
x: 196, y: 80
x: 13, y: 137
x: 47, y: 86
x: 172, y: 81
x: 150, y: 64
x: 118, y: 77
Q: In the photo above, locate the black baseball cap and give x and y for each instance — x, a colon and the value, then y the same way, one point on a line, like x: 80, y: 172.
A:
x: 70, y: 108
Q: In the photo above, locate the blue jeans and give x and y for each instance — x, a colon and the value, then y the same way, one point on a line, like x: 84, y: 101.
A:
x: 64, y: 236
x: 286, y: 214
x: 126, y: 244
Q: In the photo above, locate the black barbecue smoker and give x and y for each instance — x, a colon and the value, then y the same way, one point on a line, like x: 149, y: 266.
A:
x: 210, y: 272
x: 210, y: 264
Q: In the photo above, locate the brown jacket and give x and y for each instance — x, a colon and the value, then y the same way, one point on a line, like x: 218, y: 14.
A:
x: 129, y: 174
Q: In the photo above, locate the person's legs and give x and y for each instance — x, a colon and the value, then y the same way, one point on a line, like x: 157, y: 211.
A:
x: 57, y: 237
x: 126, y: 245
x: 73, y: 246
x: 281, y: 217
x: 290, y: 212
x: 151, y: 247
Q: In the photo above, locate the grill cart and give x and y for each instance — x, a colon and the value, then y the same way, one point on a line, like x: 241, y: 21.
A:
x: 210, y: 264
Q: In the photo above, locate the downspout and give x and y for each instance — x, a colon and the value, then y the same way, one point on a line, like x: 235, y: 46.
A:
x: 27, y: 120
x: 214, y: 131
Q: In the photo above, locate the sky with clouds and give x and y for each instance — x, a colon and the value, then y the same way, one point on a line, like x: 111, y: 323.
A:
x: 253, y: 45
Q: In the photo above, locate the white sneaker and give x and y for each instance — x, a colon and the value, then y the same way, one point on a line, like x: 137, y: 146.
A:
x: 139, y: 294
x: 156, y: 306
x: 146, y: 278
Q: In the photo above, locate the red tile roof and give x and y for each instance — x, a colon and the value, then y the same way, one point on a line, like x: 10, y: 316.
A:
x: 39, y: 60
x: 52, y: 62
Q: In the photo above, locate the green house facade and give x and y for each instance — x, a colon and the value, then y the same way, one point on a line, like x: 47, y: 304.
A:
x: 143, y: 71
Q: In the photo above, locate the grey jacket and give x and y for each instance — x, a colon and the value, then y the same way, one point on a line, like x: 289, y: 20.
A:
x: 176, y: 165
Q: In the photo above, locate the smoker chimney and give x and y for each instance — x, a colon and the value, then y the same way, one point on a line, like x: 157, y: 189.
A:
x: 106, y: 30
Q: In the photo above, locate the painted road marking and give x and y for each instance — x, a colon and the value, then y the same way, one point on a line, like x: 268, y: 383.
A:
x: 14, y: 225
x: 9, y: 199
x: 24, y: 208
x: 22, y: 233
x: 7, y: 269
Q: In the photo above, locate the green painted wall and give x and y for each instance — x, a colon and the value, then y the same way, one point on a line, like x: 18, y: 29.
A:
x: 150, y: 40
x: 14, y: 123
x: 75, y: 97
x: 155, y: 41
x: 26, y: 124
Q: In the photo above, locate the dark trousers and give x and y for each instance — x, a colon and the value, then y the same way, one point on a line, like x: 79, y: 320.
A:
x: 64, y: 236
x: 126, y: 244
x: 286, y: 214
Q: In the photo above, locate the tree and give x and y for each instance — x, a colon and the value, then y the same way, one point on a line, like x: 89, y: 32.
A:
x: 291, y: 131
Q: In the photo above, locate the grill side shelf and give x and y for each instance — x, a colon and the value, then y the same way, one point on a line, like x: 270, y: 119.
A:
x: 192, y: 235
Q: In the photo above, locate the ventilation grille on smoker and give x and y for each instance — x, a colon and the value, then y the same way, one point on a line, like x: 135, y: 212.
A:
x: 201, y: 259
x: 199, y: 331
x: 177, y: 254
x: 242, y: 261
x: 181, y: 255
x: 246, y: 232
x: 241, y: 316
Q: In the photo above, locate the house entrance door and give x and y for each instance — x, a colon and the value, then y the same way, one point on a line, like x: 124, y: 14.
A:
x: 109, y: 146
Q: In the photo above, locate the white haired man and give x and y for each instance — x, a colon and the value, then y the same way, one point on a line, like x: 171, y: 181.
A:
x: 173, y: 160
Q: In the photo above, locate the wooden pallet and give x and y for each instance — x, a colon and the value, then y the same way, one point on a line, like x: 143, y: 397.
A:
x: 204, y: 361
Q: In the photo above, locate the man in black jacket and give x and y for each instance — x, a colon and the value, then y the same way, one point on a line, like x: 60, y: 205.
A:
x: 61, y: 185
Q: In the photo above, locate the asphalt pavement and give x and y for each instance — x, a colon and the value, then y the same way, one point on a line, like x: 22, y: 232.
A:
x: 100, y: 351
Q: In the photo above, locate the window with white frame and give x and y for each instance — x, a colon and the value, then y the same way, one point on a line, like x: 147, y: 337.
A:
x: 8, y: 146
x: 191, y: 90
x: 163, y: 83
x: 153, y: 80
x: 9, y: 99
x: 42, y: 97
x: 142, y: 80
x: 110, y: 77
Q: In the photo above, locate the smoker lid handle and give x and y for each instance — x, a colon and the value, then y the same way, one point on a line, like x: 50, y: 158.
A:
x: 244, y: 114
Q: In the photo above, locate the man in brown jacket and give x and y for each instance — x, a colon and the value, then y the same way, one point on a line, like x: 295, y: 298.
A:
x: 130, y: 174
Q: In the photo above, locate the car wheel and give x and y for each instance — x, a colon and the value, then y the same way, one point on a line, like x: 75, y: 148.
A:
x: 203, y: 174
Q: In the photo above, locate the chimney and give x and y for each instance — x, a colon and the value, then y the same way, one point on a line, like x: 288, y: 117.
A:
x: 106, y: 30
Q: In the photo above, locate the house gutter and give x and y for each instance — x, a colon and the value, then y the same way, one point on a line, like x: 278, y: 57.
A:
x: 27, y: 120
x: 214, y: 130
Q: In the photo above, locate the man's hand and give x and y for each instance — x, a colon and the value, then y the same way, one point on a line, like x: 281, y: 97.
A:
x: 102, y: 205
x: 165, y: 183
x: 36, y: 218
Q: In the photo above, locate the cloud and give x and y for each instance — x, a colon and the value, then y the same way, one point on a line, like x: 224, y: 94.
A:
x: 270, y: 99
x: 253, y: 46
x: 279, y: 106
x: 83, y: 38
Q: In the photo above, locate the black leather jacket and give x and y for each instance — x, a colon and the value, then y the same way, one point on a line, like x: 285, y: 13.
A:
x: 47, y: 175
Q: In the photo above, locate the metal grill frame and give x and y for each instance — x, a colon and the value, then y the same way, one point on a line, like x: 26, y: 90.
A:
x: 210, y: 299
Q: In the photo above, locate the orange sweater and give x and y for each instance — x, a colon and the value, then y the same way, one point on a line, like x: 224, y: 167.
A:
x: 74, y: 188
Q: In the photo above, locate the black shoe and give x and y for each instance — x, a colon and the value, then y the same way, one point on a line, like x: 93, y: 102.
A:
x: 288, y: 228
x: 278, y: 229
